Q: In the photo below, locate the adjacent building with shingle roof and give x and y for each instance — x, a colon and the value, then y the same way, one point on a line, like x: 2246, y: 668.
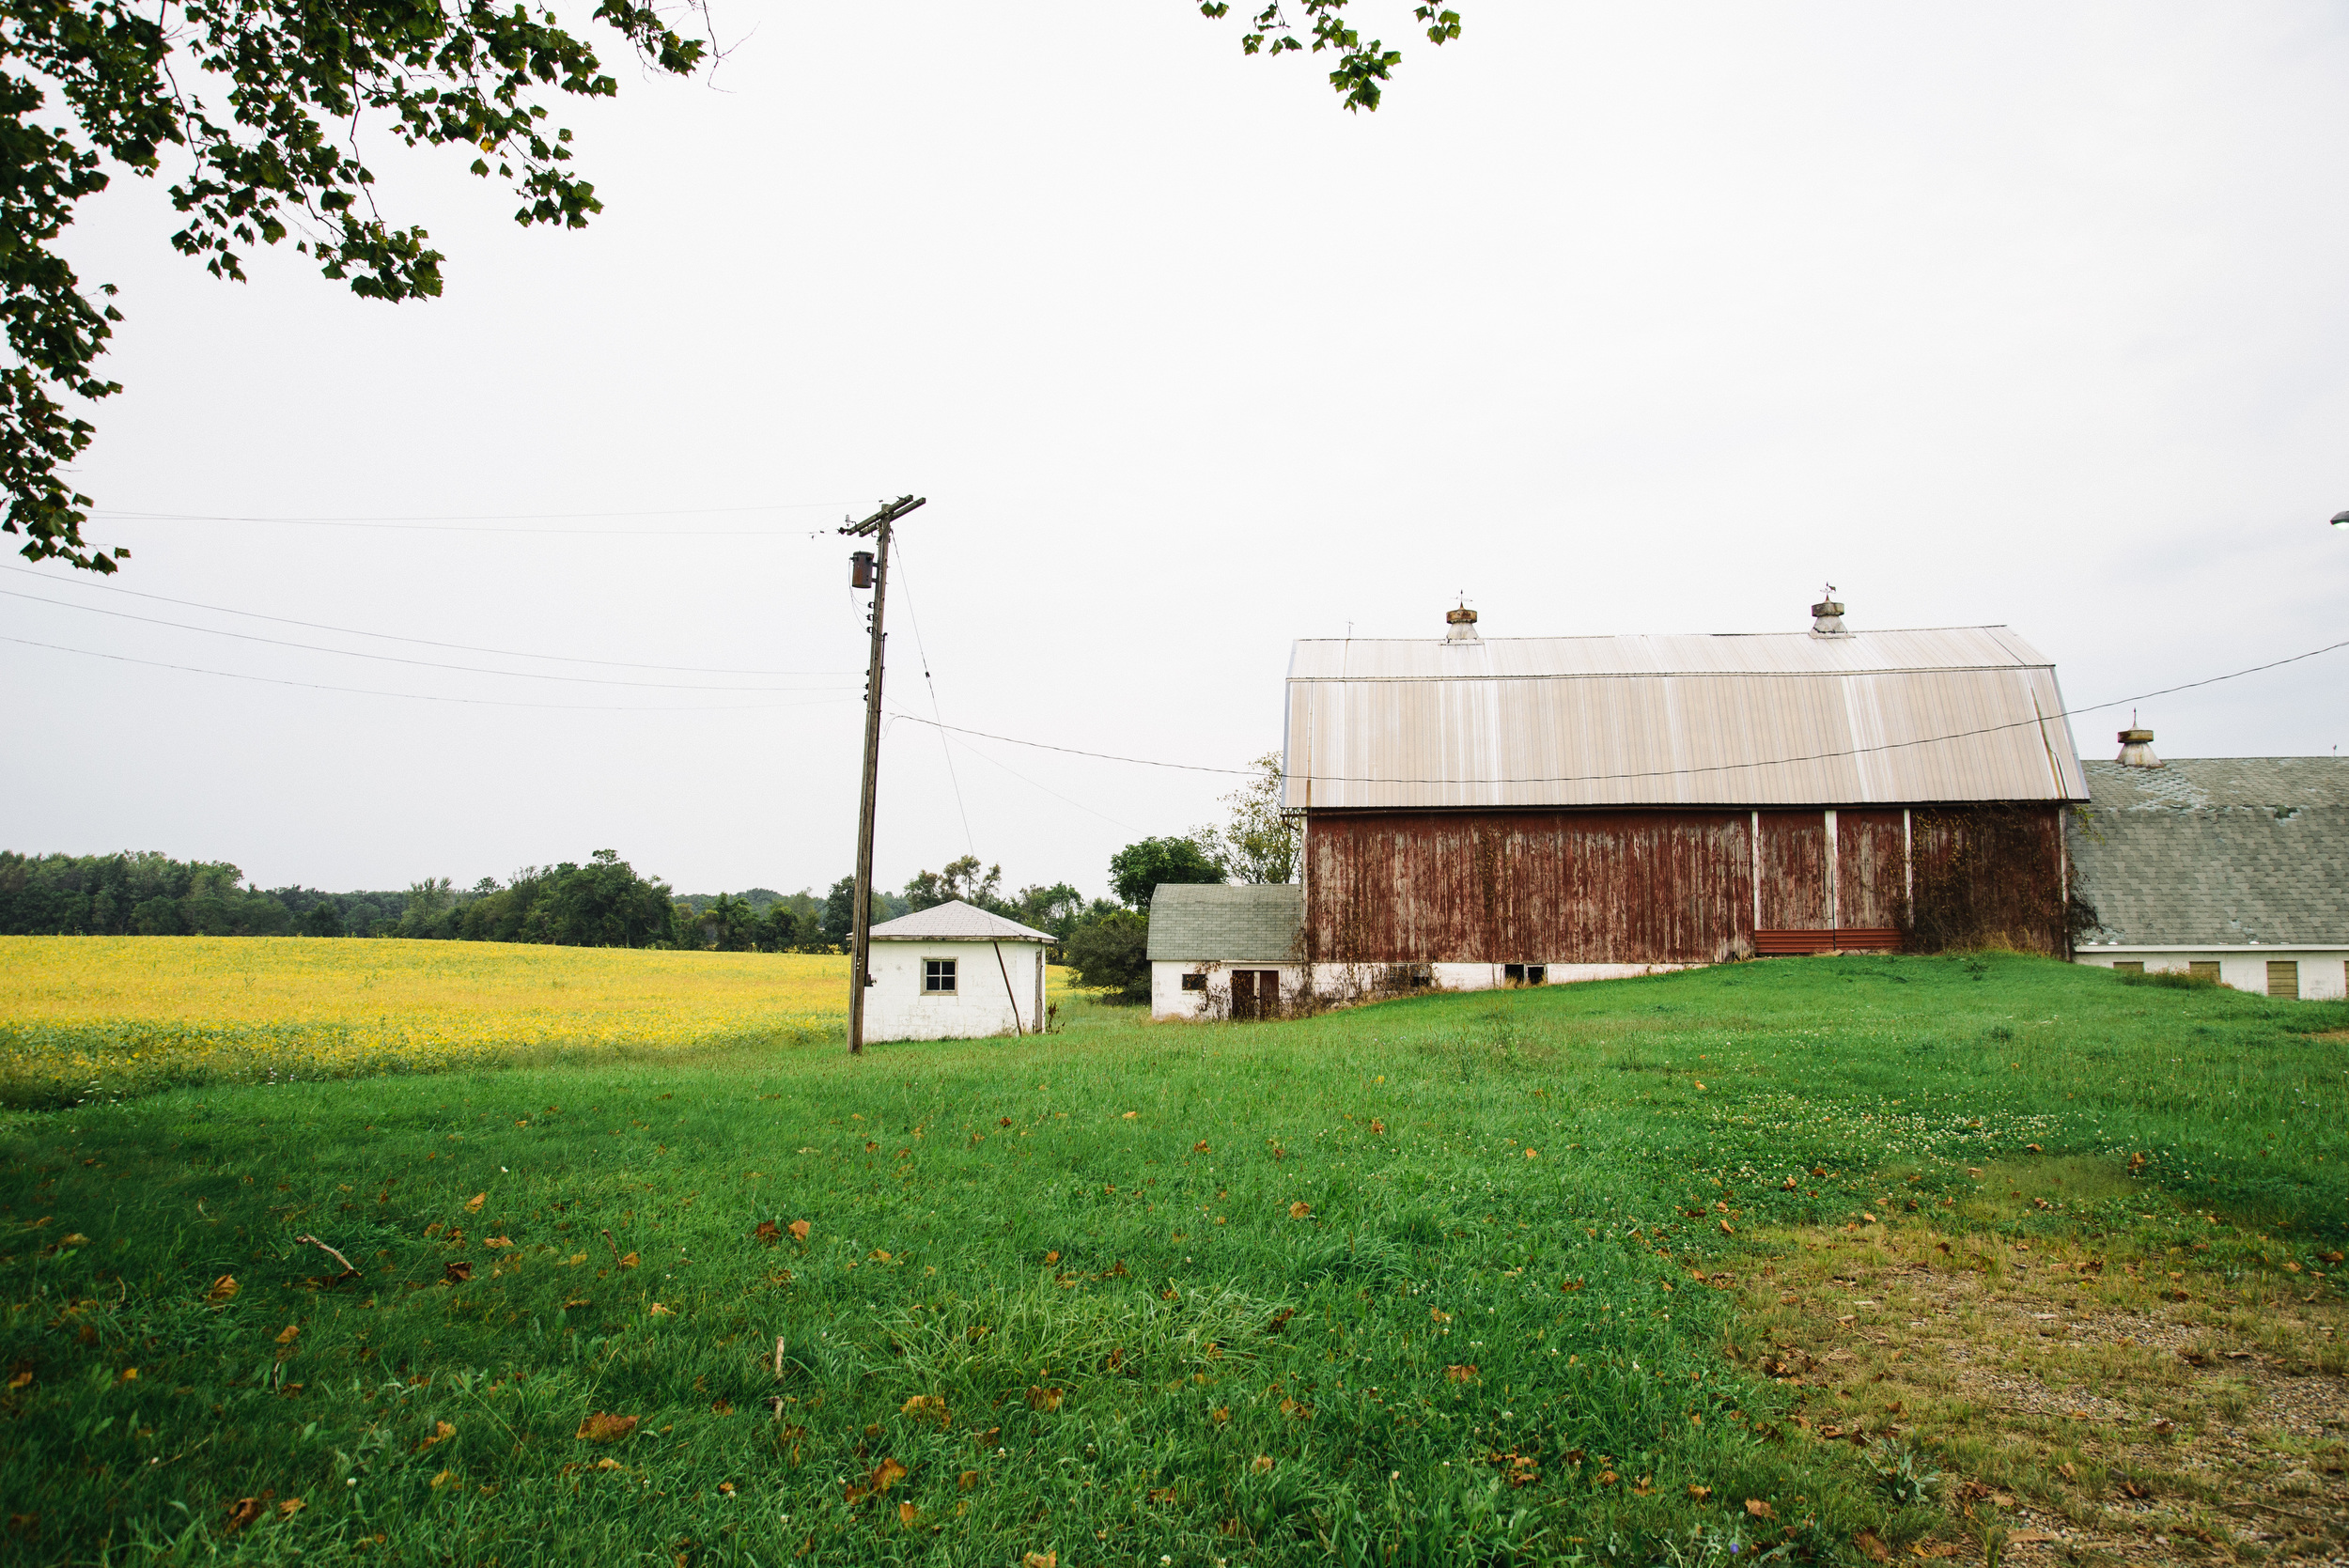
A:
x: 1224, y: 950
x: 2232, y: 867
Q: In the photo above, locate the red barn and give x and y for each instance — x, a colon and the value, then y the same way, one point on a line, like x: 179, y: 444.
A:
x: 1480, y: 811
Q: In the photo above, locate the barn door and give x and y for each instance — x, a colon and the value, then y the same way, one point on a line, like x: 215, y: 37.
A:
x: 1243, y: 993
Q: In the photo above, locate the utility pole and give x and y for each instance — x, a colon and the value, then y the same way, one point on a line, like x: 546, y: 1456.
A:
x: 869, y: 569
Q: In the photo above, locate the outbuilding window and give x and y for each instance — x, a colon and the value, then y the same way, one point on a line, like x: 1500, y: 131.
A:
x: 1195, y: 983
x: 1524, y: 974
x: 2129, y: 966
x: 937, y: 977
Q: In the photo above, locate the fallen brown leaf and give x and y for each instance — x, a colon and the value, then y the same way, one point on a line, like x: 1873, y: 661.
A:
x: 1866, y: 1540
x: 602, y: 1427
x: 223, y: 1289
x: 472, y: 1204
x: 458, y: 1273
x: 768, y: 1232
x: 1761, y: 1509
x: 799, y: 1229
x: 241, y: 1512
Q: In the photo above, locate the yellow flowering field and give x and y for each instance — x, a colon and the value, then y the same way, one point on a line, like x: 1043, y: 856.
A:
x: 87, y: 1018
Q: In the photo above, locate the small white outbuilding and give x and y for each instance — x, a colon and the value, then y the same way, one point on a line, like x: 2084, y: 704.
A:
x: 955, y: 973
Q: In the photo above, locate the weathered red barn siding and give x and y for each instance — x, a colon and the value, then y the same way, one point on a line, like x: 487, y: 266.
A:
x: 1671, y: 886
x: 1794, y: 871
x: 1871, y: 871
x: 1542, y: 887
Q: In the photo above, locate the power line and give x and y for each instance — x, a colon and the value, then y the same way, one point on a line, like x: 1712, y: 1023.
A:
x: 394, y: 637
x: 1055, y: 794
x: 384, y: 657
x: 969, y: 838
x: 463, y: 522
x: 1181, y: 766
x: 423, y: 696
x: 1659, y: 773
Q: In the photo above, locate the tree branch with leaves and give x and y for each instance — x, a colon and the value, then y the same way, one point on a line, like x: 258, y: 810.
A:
x: 261, y: 102
x: 1362, y: 69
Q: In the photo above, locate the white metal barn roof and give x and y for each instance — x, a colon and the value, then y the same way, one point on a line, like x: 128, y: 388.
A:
x: 957, y: 921
x: 1951, y: 714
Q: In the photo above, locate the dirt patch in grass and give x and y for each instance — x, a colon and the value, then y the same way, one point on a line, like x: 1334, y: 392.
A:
x: 2088, y: 1401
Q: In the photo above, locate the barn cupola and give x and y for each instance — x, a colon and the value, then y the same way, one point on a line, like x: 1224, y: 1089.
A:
x: 1826, y: 616
x: 2136, y: 747
x: 1460, y: 625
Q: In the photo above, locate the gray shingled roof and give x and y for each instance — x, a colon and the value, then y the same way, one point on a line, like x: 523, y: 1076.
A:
x: 2216, y: 850
x: 956, y: 922
x: 1221, y: 922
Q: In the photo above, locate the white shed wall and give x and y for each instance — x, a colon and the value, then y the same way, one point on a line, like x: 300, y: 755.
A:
x: 2324, y: 971
x: 1168, y: 1000
x: 897, y: 1008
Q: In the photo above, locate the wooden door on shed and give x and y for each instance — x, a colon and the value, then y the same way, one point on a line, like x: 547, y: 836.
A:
x: 1243, y: 993
x: 1792, y: 851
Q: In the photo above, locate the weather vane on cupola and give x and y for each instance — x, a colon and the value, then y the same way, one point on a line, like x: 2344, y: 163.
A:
x: 1826, y: 616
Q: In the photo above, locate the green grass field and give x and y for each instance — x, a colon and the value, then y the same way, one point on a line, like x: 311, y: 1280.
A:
x: 1406, y: 1285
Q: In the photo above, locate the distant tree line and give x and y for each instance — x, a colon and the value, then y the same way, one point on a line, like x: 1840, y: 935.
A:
x: 605, y: 903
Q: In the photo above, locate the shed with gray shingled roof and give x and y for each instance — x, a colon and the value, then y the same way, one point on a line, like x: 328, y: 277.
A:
x: 1224, y: 950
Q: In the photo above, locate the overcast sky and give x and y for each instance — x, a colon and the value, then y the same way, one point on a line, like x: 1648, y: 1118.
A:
x: 1617, y: 318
